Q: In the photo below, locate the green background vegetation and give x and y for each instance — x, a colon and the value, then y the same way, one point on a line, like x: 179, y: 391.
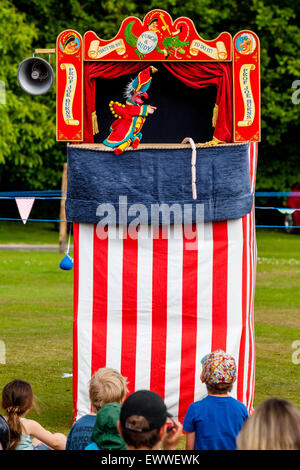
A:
x: 35, y: 295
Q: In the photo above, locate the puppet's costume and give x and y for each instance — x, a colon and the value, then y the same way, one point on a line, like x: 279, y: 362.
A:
x: 125, y: 131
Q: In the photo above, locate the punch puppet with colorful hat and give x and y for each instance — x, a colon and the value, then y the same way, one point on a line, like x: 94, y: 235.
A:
x: 125, y: 131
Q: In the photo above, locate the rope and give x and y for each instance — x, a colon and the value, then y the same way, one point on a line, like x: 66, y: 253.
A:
x: 193, y: 164
x: 288, y: 209
x: 35, y: 220
x: 55, y: 194
x: 104, y: 148
x: 277, y: 194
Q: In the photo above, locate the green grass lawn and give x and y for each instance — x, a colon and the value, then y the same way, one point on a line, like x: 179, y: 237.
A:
x: 29, y: 233
x: 36, y: 325
x: 36, y: 301
x: 277, y: 315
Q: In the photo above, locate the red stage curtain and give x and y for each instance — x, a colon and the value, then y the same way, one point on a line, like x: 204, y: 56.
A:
x: 198, y: 75
x: 195, y: 75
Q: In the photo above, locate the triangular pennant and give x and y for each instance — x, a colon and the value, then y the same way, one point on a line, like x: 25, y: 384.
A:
x: 24, y: 205
x: 286, y: 211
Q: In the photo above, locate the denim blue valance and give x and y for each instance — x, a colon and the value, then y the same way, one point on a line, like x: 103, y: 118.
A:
x: 113, y: 189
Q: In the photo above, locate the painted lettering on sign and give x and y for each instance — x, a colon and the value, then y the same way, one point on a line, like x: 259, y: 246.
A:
x: 67, y: 104
x: 249, y: 105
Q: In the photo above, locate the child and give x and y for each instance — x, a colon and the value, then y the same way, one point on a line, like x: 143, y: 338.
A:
x: 105, y: 434
x: 143, y: 423
x: 106, y: 386
x: 4, y: 434
x: 214, y: 422
x: 26, y: 434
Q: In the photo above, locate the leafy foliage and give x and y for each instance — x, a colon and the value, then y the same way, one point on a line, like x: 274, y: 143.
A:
x: 27, y: 124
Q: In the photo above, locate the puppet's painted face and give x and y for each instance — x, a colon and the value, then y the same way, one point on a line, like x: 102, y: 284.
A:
x: 153, y: 26
x: 138, y: 97
x: 71, y: 47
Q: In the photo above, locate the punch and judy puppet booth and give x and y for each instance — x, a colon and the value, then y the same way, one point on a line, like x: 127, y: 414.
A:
x: 161, y: 129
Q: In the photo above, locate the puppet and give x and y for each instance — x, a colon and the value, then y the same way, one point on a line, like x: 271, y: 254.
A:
x: 125, y: 131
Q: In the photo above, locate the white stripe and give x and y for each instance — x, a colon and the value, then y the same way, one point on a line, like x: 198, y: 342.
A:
x: 253, y: 249
x: 246, y: 361
x: 85, y: 315
x: 174, y: 319
x: 114, y: 297
x: 144, y: 309
x: 204, y: 302
x: 234, y: 291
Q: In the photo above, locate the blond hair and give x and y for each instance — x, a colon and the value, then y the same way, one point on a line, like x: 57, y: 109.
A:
x: 274, y: 425
x: 107, y: 386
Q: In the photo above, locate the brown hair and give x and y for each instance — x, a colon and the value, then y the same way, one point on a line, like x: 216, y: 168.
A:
x: 107, y: 386
x: 135, y: 438
x: 17, y: 398
x: 219, y: 389
x: 274, y: 425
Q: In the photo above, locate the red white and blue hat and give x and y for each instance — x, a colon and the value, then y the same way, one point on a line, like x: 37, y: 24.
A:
x: 142, y: 82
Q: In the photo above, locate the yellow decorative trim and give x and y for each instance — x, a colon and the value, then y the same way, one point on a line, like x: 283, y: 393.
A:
x: 214, y: 141
x: 215, y: 115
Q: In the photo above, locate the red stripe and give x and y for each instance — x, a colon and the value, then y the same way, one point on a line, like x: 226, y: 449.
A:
x: 159, y: 312
x: 251, y: 164
x: 249, y: 308
x: 75, y: 322
x: 189, y: 321
x: 256, y: 156
x: 252, y: 274
x: 219, y: 285
x: 251, y: 312
x: 253, y: 159
x: 129, y: 309
x: 99, y: 328
x: 241, y: 362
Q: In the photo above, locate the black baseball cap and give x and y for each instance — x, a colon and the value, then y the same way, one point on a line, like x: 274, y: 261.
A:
x: 147, y: 404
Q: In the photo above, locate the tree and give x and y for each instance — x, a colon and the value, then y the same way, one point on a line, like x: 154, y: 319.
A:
x: 276, y: 23
x: 26, y: 126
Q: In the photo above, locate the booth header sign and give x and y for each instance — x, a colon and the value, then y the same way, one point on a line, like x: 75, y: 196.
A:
x: 157, y: 38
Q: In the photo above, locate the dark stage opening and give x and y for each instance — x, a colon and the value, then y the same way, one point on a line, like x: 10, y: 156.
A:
x: 181, y: 111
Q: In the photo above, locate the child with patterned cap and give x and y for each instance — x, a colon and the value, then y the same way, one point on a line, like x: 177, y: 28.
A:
x: 214, y: 422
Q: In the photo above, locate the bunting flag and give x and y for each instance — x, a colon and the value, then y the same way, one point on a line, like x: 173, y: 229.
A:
x: 24, y: 206
x: 152, y: 307
x: 286, y: 211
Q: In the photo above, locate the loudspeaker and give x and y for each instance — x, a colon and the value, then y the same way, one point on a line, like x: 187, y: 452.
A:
x: 35, y: 75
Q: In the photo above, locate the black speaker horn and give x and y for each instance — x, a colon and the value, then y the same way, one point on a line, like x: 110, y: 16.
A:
x: 35, y: 75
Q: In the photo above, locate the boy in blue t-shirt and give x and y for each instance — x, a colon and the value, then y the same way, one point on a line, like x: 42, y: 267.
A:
x: 214, y: 422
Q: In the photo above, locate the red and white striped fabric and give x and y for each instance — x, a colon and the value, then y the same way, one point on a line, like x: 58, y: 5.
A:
x: 152, y: 308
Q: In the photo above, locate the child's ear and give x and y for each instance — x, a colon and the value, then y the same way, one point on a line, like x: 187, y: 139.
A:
x: 202, y: 378
x: 163, y: 430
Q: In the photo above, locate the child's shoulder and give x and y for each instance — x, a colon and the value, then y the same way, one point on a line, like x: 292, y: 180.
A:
x: 239, y: 405
x: 198, y: 403
x: 29, y: 425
